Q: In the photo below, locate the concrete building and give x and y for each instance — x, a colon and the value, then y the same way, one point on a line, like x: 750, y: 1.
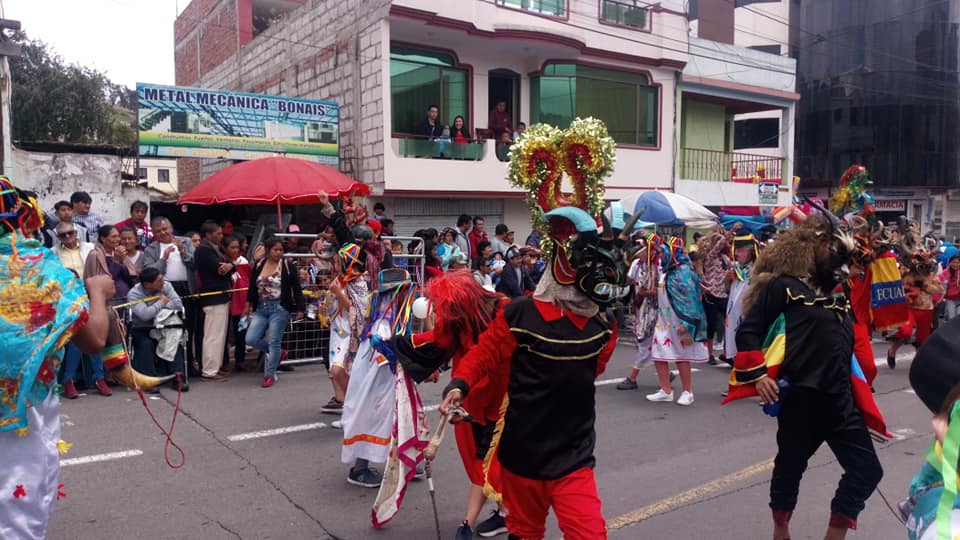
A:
x: 737, y: 104
x: 160, y: 174
x: 879, y: 87
x: 385, y: 61
x: 672, y: 99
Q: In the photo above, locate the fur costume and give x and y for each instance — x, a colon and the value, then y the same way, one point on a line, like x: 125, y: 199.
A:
x: 797, y: 332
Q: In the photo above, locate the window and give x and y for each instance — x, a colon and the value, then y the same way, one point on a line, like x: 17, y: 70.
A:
x: 625, y: 101
x: 420, y: 78
x: 770, y: 49
x: 624, y: 12
x: 141, y: 172
x: 756, y: 133
x: 163, y: 176
x: 557, y: 8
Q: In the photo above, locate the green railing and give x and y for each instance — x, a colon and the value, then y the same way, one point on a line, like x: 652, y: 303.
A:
x: 557, y: 8
x: 423, y: 148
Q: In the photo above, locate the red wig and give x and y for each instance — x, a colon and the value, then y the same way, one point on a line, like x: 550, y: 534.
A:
x: 459, y: 305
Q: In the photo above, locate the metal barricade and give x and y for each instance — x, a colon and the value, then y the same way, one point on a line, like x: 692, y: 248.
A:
x: 307, y: 341
x: 411, y: 262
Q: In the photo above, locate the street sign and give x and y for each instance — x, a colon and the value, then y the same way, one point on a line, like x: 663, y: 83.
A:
x: 769, y: 192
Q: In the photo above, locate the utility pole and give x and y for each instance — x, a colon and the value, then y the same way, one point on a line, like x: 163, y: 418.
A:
x: 7, y: 49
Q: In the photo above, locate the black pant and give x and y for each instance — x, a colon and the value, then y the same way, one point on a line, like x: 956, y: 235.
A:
x: 192, y: 321
x: 239, y: 342
x: 145, y: 356
x: 808, y: 418
x: 716, y: 311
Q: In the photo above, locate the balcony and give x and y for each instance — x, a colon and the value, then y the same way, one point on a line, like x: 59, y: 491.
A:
x: 553, y: 8
x: 625, y: 13
x: 717, y: 166
x: 413, y: 146
x: 717, y: 178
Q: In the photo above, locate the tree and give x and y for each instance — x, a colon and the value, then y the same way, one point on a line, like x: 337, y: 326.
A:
x: 54, y: 101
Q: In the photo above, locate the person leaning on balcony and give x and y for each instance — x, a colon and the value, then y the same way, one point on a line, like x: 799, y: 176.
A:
x: 431, y: 127
x: 459, y: 133
x: 503, y: 145
x: 499, y: 119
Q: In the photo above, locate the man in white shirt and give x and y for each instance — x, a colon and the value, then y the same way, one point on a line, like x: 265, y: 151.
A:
x: 173, y: 257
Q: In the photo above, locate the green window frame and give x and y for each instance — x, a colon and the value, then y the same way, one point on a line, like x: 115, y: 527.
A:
x: 626, y: 101
x: 553, y: 8
x: 631, y: 13
x: 423, y: 77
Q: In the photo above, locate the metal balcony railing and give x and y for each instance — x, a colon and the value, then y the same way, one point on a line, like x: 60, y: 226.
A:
x: 717, y: 166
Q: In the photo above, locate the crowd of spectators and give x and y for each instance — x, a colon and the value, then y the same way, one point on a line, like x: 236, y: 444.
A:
x: 195, y: 305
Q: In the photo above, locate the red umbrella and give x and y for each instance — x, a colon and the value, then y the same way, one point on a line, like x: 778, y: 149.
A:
x: 273, y: 180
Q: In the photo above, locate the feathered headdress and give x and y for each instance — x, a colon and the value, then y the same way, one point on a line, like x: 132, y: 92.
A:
x: 19, y: 210
x: 854, y: 196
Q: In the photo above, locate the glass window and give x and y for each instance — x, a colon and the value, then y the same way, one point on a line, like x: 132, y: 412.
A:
x: 625, y: 12
x: 142, y: 172
x: 421, y: 78
x: 756, y: 133
x: 163, y: 176
x: 625, y: 101
x: 557, y: 8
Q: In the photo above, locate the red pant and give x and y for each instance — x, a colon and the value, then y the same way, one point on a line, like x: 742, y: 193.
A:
x: 573, y: 498
x: 922, y: 320
x: 863, y: 351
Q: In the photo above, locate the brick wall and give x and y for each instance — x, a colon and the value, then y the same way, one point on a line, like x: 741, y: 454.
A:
x: 326, y: 49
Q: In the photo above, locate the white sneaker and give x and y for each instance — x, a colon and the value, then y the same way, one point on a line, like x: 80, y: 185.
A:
x: 660, y: 396
x: 686, y: 398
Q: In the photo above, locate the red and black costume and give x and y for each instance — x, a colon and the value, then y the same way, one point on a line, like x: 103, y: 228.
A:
x: 551, y: 358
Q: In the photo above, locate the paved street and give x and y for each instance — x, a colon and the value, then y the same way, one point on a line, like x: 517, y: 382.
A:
x: 265, y: 464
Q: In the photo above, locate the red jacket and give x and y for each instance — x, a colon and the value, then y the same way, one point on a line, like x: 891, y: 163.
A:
x: 475, y: 239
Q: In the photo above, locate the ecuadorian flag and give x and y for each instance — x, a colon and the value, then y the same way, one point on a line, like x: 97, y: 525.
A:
x: 774, y: 351
x: 887, y: 297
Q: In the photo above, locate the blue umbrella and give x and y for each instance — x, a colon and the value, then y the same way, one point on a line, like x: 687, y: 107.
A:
x: 665, y: 208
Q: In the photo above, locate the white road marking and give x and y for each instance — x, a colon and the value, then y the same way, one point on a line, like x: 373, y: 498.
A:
x: 910, y: 391
x: 902, y: 434
x: 100, y: 457
x: 320, y: 425
x: 274, y: 432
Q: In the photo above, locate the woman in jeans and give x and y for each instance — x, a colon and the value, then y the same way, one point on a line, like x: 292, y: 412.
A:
x: 274, y: 295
